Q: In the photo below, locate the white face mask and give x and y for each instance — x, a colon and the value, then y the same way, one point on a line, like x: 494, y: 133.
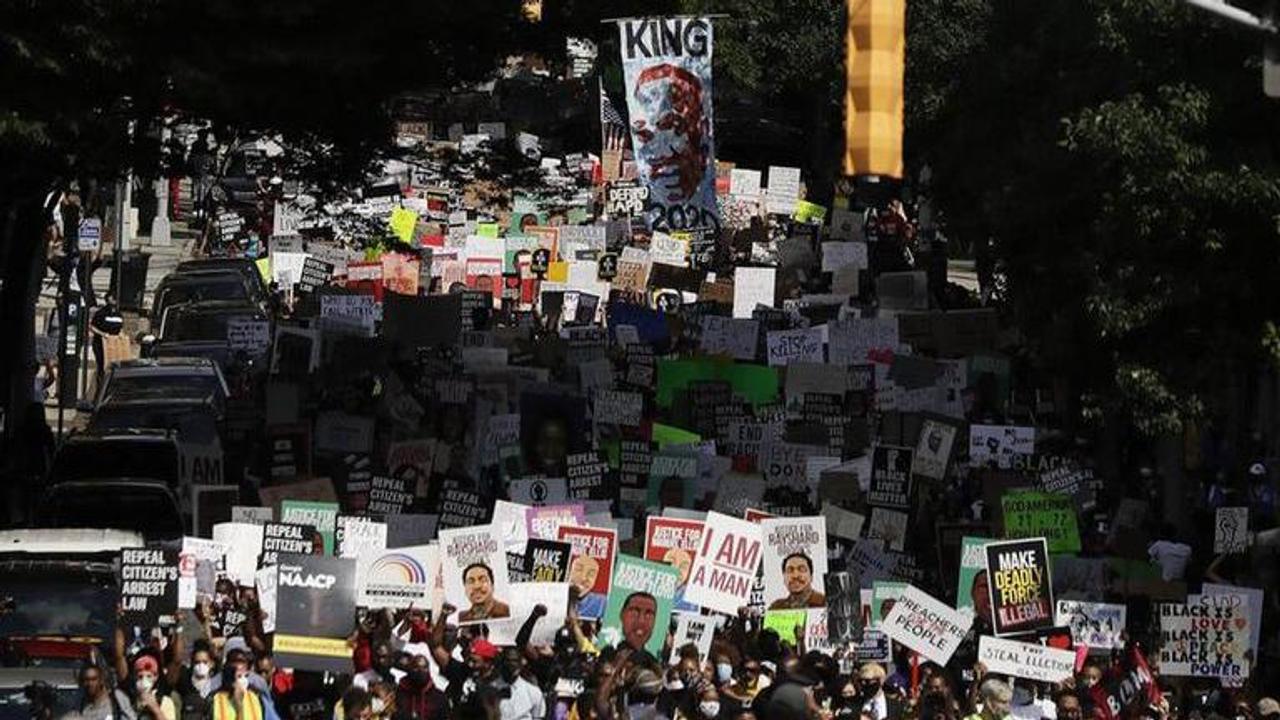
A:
x: 675, y: 685
x: 145, y: 684
x: 378, y: 706
x: 724, y: 672
x: 242, y: 682
x: 201, y: 670
x: 709, y: 708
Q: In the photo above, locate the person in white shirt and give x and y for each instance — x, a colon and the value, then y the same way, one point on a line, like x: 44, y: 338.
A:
x: 525, y: 701
x: 1169, y: 554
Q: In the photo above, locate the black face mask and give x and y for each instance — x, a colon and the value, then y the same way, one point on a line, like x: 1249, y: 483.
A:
x: 420, y: 678
x: 868, y: 689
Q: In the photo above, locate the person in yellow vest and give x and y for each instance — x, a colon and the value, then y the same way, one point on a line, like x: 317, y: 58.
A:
x: 235, y: 700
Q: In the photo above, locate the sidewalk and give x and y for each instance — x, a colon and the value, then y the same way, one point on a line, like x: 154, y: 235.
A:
x: 164, y: 259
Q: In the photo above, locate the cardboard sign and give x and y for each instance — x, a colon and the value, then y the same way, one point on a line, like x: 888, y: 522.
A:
x: 1021, y: 591
x: 355, y: 536
x: 933, y: 450
x: 544, y: 521
x: 525, y: 596
x: 802, y: 346
x: 971, y: 582
x: 1038, y: 514
x: 890, y: 477
x: 546, y: 560
x: 625, y: 198
x: 356, y: 314
x: 1098, y: 626
x: 889, y: 526
x: 618, y: 407
x: 997, y: 445
x: 323, y: 516
x: 315, y: 601
x: 590, y: 565
x: 247, y: 334
x: 1207, y: 636
x: 243, y: 542
x: 724, y: 570
x: 148, y: 585
x: 474, y: 568
x: 200, y: 564
x: 697, y: 630
x: 752, y: 286
x: 290, y: 539
x: 1026, y: 660
x: 399, y: 578
x: 639, y: 609
x: 926, y: 625
x: 795, y: 562
x: 251, y: 514
x: 674, y: 541
x: 1231, y: 530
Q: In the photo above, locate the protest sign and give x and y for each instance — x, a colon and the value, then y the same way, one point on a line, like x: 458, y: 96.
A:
x: 884, y: 595
x: 697, y: 630
x: 315, y: 601
x: 843, y: 523
x: 323, y: 516
x: 788, y: 624
x: 408, y: 529
x: 625, y: 198
x: 618, y: 407
x: 1255, y: 597
x: 354, y: 536
x: 315, y: 273
x: 795, y: 562
x: 525, y: 596
x: 665, y: 60
x: 1026, y: 660
x: 251, y: 514
x: 802, y: 346
x: 844, y: 608
x: 1231, y: 530
x: 972, y: 592
x: 1039, y: 514
x: 586, y: 476
x: 890, y: 526
x: 290, y: 539
x: 933, y: 450
x: 474, y: 567
x: 639, y: 609
x: 399, y: 578
x: 200, y: 564
x: 674, y: 541
x: 1098, y: 626
x: 1207, y: 636
x: 355, y: 314
x: 546, y: 560
x: 391, y: 495
x: 926, y: 625
x: 544, y: 521
x: 148, y: 585
x: 725, y: 567
x: 753, y: 286
x: 243, y: 542
x: 890, y: 477
x: 462, y: 508
x: 996, y: 445
x: 248, y: 334
x: 1020, y: 587
x: 510, y: 519
x: 734, y: 337
x: 590, y: 565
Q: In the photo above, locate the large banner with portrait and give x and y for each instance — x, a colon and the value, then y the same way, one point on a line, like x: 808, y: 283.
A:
x: 667, y: 67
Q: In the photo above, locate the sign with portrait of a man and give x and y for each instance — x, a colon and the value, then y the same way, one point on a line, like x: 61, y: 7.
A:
x: 474, y: 568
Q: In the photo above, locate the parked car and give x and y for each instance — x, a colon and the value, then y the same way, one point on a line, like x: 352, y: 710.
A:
x: 25, y: 692
x: 199, y: 329
x: 148, y: 507
x: 142, y: 453
x: 228, y: 285
x: 172, y: 378
x: 244, y: 266
x: 76, y: 566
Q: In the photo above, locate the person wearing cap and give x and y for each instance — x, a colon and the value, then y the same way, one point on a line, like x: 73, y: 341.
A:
x: 150, y: 693
x: 1267, y: 709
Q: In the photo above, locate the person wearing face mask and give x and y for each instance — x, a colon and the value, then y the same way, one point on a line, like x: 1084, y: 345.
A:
x: 150, y: 695
x: 236, y: 700
x: 996, y: 697
x: 383, y: 701
x: 875, y: 704
x: 195, y: 683
x: 417, y: 696
x: 742, y: 690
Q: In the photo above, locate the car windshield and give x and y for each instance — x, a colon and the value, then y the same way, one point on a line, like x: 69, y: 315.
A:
x: 197, y: 326
x: 193, y: 423
x: 56, y: 600
x: 14, y: 704
x: 121, y: 459
x: 214, y: 288
x: 163, y: 387
x: 147, y: 510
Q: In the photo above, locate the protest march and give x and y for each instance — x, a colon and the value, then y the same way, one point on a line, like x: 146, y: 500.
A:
x: 511, y: 429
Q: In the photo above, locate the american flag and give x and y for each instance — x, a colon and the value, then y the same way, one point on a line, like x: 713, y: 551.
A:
x: 613, y: 128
